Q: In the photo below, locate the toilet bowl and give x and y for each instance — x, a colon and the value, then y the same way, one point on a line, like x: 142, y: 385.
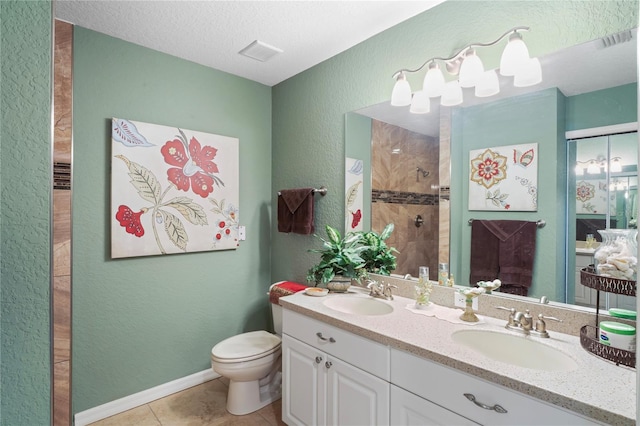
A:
x: 252, y: 363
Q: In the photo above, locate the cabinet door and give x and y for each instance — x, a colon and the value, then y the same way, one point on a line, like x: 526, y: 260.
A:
x: 303, y: 383
x: 582, y: 293
x: 355, y: 397
x: 408, y: 409
x: 625, y: 302
x: 446, y: 387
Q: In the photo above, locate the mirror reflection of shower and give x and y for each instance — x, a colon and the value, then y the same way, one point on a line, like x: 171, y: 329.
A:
x: 603, y: 185
x: 402, y: 193
x: 419, y: 171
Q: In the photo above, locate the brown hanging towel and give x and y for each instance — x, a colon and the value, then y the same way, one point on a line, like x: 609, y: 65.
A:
x: 295, y: 211
x: 504, y: 249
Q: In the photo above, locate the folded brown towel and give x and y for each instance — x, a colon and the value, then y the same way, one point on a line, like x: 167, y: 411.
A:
x: 504, y: 249
x: 295, y: 211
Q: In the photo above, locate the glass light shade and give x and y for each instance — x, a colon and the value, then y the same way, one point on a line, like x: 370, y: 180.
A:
x: 433, y: 82
x: 579, y: 170
x: 593, y: 168
x: 616, y: 166
x: 420, y: 103
x: 401, y: 94
x: 529, y: 74
x: 470, y: 70
x: 488, y: 84
x: 452, y: 94
x: 513, y: 55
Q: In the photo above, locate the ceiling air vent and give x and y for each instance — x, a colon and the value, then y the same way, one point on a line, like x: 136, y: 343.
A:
x: 612, y: 40
x: 260, y: 51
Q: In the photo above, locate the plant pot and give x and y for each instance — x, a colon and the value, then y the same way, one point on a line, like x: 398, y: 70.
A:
x: 339, y: 284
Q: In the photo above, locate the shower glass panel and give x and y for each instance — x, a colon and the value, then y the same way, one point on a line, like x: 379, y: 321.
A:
x: 603, y: 194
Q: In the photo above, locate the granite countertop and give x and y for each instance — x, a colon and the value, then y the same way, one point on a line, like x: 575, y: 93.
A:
x: 589, y: 251
x: 597, y: 388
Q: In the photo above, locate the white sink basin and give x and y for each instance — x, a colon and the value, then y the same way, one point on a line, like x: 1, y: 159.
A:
x: 358, y: 305
x: 520, y: 351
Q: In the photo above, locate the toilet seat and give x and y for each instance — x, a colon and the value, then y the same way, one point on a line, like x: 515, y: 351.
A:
x: 245, y: 347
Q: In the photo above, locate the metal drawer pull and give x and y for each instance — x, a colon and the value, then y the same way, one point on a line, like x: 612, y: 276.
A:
x: 318, y: 359
x: 497, y: 408
x: 328, y: 364
x: 321, y: 337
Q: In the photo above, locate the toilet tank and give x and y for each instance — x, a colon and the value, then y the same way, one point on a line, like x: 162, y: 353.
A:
x: 276, y: 314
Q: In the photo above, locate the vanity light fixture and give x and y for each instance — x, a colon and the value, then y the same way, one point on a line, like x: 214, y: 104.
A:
x: 401, y: 95
x: 598, y: 165
x: 470, y: 72
x: 420, y: 103
x: 593, y: 168
x: 618, y: 185
x: 616, y: 165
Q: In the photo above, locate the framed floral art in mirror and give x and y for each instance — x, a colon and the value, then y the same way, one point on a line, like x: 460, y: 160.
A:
x: 504, y: 178
x: 172, y: 190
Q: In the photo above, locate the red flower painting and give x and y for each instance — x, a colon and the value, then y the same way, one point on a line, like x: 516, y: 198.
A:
x: 168, y: 194
x: 130, y: 220
x: 355, y: 220
x: 194, y: 168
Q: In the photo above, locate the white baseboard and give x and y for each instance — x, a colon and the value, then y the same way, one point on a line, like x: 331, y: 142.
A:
x: 137, y: 399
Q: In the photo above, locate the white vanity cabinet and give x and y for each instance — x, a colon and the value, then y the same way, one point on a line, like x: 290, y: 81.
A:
x: 321, y: 386
x: 408, y: 409
x: 445, y: 388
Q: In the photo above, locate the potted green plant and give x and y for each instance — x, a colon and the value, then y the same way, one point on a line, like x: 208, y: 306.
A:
x: 378, y: 257
x: 340, y: 260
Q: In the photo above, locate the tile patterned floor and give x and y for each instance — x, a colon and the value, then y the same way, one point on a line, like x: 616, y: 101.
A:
x: 197, y: 406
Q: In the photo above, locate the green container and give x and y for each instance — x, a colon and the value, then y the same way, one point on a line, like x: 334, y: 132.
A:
x: 622, y: 313
x: 618, y: 335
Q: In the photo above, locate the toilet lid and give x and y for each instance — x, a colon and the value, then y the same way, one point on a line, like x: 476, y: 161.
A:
x: 246, y: 346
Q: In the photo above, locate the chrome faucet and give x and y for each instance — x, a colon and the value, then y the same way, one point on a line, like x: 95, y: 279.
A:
x: 381, y: 290
x: 523, y: 322
x: 541, y: 326
x: 518, y: 321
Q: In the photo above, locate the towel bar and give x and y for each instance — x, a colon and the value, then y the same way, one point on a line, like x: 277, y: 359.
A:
x: 322, y: 190
x: 539, y: 223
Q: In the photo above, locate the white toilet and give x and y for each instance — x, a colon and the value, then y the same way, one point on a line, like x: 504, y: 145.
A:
x: 252, y: 363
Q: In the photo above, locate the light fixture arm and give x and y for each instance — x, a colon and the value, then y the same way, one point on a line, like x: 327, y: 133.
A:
x: 461, y: 51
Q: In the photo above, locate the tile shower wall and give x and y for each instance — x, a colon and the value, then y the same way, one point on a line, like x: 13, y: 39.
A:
x: 62, y: 224
x: 401, y: 192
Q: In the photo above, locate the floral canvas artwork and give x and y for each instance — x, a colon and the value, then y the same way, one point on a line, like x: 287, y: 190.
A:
x: 504, y: 178
x: 173, y: 190
x: 353, y: 194
x: 591, y: 197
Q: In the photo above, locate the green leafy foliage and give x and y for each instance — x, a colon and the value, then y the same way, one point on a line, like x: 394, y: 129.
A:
x: 338, y: 256
x: 353, y: 256
x: 378, y: 257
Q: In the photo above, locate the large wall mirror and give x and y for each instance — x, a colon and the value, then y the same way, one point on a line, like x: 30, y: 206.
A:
x: 415, y: 169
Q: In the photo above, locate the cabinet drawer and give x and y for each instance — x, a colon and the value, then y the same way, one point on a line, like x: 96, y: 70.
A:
x: 370, y: 356
x: 446, y: 387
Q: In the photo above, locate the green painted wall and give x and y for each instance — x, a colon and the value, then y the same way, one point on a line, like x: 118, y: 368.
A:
x: 509, y: 122
x: 586, y: 110
x: 309, y: 108
x: 25, y: 209
x: 141, y: 322
x: 130, y: 315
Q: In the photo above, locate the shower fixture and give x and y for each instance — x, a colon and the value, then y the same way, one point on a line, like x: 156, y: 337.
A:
x: 424, y: 172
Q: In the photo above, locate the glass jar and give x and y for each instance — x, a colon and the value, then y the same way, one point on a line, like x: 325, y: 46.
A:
x: 423, y: 288
x: 616, y: 257
x: 443, y: 274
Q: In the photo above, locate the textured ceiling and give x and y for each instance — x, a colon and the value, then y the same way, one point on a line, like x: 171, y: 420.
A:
x: 212, y: 32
